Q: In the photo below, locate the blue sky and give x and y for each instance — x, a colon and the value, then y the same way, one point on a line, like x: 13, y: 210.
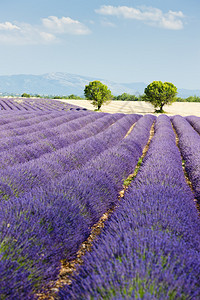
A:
x: 121, y: 40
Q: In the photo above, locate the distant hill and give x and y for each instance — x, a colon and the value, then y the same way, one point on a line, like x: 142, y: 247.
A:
x: 65, y: 84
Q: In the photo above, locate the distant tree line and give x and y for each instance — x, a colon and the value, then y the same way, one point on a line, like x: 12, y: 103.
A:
x: 129, y: 97
x: 72, y: 96
x: 122, y: 97
x: 188, y: 99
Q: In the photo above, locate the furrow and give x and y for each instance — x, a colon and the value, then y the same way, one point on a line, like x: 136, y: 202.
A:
x: 133, y: 175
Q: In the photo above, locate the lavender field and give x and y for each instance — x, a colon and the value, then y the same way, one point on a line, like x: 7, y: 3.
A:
x: 63, y: 167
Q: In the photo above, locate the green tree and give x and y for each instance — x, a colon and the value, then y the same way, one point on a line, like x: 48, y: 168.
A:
x: 25, y: 95
x: 159, y: 94
x: 98, y: 93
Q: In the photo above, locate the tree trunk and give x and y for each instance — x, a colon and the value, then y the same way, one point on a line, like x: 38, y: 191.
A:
x: 161, y: 108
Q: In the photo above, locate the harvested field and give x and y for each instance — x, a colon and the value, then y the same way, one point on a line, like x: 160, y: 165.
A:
x: 140, y: 107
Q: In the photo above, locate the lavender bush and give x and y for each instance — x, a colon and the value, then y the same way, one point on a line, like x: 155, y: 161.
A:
x: 51, y: 140
x: 27, y: 104
x: 51, y: 166
x: 189, y: 143
x: 49, y: 220
x: 150, y: 247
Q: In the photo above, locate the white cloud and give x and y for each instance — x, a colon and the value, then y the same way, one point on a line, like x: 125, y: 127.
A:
x: 172, y: 20
x: 26, y: 34
x: 65, y: 25
x: 149, y: 15
x: 8, y: 26
x: 50, y: 31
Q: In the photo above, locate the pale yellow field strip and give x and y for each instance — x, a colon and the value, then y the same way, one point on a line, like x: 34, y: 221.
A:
x: 140, y: 107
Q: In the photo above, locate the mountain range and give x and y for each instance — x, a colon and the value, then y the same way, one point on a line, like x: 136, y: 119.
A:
x: 61, y: 83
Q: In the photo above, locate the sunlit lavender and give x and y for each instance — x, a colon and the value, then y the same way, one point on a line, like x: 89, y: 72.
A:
x: 62, y: 167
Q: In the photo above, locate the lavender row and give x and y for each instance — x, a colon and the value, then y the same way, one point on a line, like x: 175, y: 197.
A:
x: 17, y: 104
x: 150, y: 247
x: 51, y: 166
x: 195, y: 122
x: 50, y: 104
x: 124, y: 157
x: 57, y: 125
x: 56, y: 129
x: 67, y: 123
x: 53, y: 140
x: 30, y: 127
x: 38, y: 104
x: 23, y: 120
x: 53, y: 104
x: 13, y: 105
x: 6, y: 105
x: 49, y: 223
x: 189, y: 143
x: 60, y: 105
x: 8, y: 117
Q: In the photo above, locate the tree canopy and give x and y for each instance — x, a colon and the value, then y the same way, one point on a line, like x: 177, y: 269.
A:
x: 26, y: 95
x: 159, y: 94
x: 98, y: 93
